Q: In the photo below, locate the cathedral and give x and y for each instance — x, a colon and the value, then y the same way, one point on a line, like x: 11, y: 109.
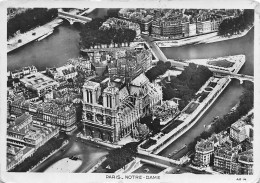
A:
x: 112, y: 109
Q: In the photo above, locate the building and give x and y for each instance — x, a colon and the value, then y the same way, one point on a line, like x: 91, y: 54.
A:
x: 245, y: 160
x: 192, y: 29
x: 141, y: 16
x: 23, y: 71
x: 111, y: 112
x: 120, y: 23
x: 39, y: 83
x: 64, y: 72
x: 225, y: 160
x: 130, y: 65
x: 238, y: 131
x: 172, y: 24
x: 204, y: 150
x: 165, y: 111
x: 100, y: 60
x: 167, y: 28
x: 52, y: 112
x: 22, y: 131
x: 16, y: 155
x: 232, y: 161
x: 203, y: 27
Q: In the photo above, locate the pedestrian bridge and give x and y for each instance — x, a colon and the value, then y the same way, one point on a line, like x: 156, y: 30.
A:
x: 73, y: 18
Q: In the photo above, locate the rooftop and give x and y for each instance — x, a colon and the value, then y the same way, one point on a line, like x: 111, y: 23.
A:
x: 21, y: 119
x: 238, y: 125
x: 91, y: 84
x: 246, y: 156
x: 205, y: 145
x: 48, y: 107
x: 37, y: 81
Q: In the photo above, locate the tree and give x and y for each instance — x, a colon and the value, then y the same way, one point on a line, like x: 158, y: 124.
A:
x: 235, y: 25
x: 156, y: 127
x: 117, y: 158
x: 29, y: 19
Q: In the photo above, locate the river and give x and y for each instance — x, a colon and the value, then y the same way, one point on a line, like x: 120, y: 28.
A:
x: 53, y: 51
x: 243, y: 45
x: 231, y: 94
x: 63, y: 44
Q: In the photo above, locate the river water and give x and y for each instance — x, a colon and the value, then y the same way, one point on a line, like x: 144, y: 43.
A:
x: 231, y: 94
x: 243, y: 45
x: 63, y: 44
x: 54, y: 50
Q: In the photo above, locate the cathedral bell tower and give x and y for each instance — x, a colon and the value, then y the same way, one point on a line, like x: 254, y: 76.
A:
x: 111, y: 96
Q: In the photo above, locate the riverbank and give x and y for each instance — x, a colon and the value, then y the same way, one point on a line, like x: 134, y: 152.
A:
x: 230, y: 64
x: 22, y: 39
x: 189, y: 119
x: 220, y: 38
x: 45, y: 158
x: 206, y: 38
x: 185, y: 41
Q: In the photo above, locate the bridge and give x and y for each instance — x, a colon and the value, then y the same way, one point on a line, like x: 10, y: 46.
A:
x: 240, y: 77
x: 73, y: 18
x: 181, y: 65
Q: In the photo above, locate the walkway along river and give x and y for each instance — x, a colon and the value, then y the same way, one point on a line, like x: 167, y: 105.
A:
x: 56, y: 49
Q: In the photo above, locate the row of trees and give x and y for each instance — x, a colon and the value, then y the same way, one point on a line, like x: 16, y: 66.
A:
x: 235, y: 25
x: 30, y: 19
x: 40, y: 153
x: 246, y: 103
x: 92, y: 36
x: 185, y: 85
x: 118, y: 158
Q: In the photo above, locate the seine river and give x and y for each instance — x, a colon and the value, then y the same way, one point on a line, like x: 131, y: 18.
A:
x: 63, y: 44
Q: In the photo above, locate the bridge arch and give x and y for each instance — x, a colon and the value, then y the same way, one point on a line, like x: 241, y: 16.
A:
x: 67, y: 19
x: 241, y: 81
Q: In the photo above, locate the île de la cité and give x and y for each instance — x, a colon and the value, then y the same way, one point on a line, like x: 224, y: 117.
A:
x: 161, y: 91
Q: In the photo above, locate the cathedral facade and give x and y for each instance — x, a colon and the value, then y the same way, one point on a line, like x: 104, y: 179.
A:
x: 111, y: 111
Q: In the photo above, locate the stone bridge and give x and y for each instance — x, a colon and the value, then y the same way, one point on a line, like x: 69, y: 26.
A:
x: 242, y: 77
x: 73, y: 18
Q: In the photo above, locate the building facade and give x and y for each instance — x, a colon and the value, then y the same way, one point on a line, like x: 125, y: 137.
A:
x: 111, y: 113
x: 141, y: 16
x: 204, y: 150
x: 238, y: 131
x: 245, y: 160
x: 60, y: 115
x: 24, y: 71
x: 225, y: 160
x: 22, y: 131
